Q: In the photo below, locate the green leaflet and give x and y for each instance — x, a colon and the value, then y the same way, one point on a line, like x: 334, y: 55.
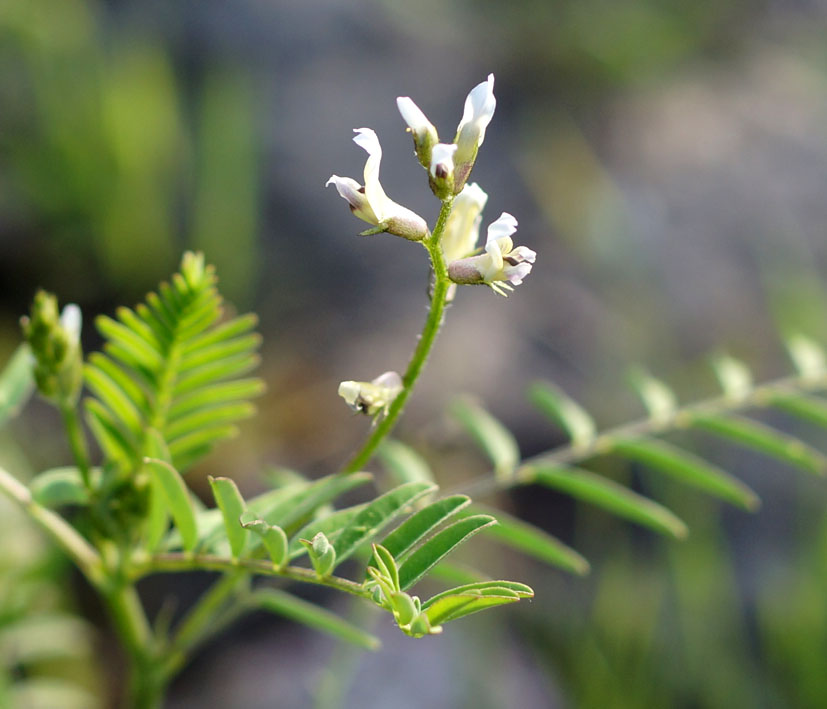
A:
x: 559, y: 407
x: 16, y: 383
x: 294, y: 510
x: 535, y: 542
x: 171, y: 486
x: 61, y: 486
x: 403, y: 463
x: 764, y: 439
x: 464, y: 600
x: 809, y: 408
x: 284, y: 604
x: 401, y: 540
x: 231, y: 505
x: 377, y: 514
x: 659, y: 400
x: 490, y: 435
x: 686, y: 467
x: 457, y: 605
x: 439, y: 546
x: 273, y: 538
x: 617, y: 499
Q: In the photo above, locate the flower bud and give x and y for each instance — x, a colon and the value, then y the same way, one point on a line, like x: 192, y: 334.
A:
x: 423, y: 131
x: 441, y: 171
x: 479, y: 109
x: 55, y: 344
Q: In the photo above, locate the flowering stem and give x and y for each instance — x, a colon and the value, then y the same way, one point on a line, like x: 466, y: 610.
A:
x: 430, y: 330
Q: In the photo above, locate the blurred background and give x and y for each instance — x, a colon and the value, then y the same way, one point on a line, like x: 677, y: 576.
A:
x: 667, y: 161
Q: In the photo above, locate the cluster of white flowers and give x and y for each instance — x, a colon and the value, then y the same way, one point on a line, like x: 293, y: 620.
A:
x: 499, y: 264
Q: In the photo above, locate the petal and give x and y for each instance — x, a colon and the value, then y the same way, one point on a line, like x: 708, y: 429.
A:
x: 504, y: 226
x: 516, y: 274
x: 522, y: 254
x: 442, y: 160
x: 70, y: 321
x: 413, y: 116
x: 479, y: 108
x: 389, y: 380
x: 463, y: 227
x: 492, y: 248
x: 377, y: 199
x: 354, y: 194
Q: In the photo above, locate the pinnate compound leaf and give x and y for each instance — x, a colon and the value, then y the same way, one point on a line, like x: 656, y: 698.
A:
x: 311, y: 615
x: 403, y: 463
x: 688, y: 468
x: 231, y: 504
x: 377, y: 514
x: 438, y: 546
x: 177, y: 498
x: 556, y: 405
x: 615, y: 498
x: 535, y: 542
x: 765, y: 439
x: 491, y: 436
x: 16, y: 383
x: 173, y: 365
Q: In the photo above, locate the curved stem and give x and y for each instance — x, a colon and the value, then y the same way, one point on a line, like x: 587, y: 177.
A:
x: 430, y: 330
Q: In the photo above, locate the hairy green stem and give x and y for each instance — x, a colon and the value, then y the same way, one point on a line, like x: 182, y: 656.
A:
x: 62, y: 533
x: 430, y: 330
x: 181, y: 561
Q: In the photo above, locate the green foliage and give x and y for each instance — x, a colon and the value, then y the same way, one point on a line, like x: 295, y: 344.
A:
x: 173, y: 365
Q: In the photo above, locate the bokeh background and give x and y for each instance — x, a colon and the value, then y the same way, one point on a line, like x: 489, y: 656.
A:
x: 668, y: 162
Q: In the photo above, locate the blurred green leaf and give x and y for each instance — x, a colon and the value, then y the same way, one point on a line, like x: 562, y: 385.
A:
x: 16, y: 383
x: 687, y: 468
x: 231, y: 504
x: 617, y: 499
x: 554, y: 403
x: 403, y: 463
x: 61, y: 486
x: 311, y: 615
x: 177, y: 499
x: 490, y: 435
x: 764, y: 439
x: 534, y: 541
x: 809, y: 408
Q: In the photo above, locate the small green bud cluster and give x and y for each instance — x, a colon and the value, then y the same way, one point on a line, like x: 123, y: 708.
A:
x: 55, y: 343
x: 406, y: 609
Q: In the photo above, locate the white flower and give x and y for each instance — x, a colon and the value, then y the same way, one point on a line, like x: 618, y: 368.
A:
x: 502, y: 266
x: 370, y: 203
x: 372, y: 397
x: 462, y: 229
x: 479, y: 109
